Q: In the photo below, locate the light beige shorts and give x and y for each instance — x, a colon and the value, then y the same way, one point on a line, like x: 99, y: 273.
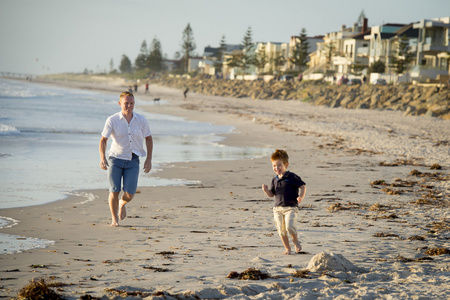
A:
x: 285, y: 218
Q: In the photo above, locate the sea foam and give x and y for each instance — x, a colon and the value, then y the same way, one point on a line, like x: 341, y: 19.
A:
x: 8, y: 130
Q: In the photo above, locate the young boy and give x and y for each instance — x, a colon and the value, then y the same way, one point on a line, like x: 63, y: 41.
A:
x: 285, y: 188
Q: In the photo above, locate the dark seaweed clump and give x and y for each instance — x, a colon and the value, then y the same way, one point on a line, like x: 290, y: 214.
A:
x: 249, y: 274
x: 38, y: 290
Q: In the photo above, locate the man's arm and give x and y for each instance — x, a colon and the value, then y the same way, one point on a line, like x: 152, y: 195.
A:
x: 148, y: 160
x: 102, y: 149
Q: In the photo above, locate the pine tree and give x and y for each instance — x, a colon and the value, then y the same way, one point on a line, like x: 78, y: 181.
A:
x: 403, y: 57
x: 141, y: 61
x: 187, y: 46
x: 329, y: 50
x: 155, y: 58
x: 361, y: 18
x: 299, y: 56
x: 219, y: 55
x: 248, y: 57
x: 125, y: 65
x: 261, y: 59
x: 111, y: 66
x: 245, y: 57
x: 278, y: 60
x: 377, y: 67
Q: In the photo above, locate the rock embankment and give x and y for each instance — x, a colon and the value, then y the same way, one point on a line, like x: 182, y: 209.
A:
x: 411, y: 99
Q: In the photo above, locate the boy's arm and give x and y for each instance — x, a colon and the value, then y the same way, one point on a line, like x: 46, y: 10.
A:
x: 302, y: 194
x: 266, y: 190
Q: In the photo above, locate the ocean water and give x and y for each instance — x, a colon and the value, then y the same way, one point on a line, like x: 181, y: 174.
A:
x: 49, y: 140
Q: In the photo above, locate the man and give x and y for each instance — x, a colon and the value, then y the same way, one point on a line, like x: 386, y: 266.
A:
x: 127, y: 130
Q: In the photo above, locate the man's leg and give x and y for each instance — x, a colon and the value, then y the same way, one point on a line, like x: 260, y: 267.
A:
x: 126, y: 197
x: 115, y: 178
x: 130, y: 180
x: 113, y: 201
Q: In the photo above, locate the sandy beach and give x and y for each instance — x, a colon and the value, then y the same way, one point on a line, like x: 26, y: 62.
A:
x: 374, y: 224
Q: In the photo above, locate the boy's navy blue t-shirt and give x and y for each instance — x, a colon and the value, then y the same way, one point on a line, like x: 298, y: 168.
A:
x: 286, y: 188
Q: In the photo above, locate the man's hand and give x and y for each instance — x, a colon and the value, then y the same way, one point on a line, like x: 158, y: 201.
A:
x: 147, y: 165
x: 104, y: 164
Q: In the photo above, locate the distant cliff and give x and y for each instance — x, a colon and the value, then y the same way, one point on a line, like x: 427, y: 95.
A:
x: 412, y: 100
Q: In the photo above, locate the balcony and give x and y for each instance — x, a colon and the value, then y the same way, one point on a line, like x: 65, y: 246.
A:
x: 424, y: 73
x: 362, y: 51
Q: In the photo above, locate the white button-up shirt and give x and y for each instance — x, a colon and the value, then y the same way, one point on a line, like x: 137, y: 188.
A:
x: 126, y: 138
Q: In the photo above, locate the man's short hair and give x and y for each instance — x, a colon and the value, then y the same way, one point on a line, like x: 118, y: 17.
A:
x: 280, y: 154
x: 126, y: 94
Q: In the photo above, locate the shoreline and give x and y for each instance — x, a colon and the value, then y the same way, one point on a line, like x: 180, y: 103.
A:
x: 189, y: 238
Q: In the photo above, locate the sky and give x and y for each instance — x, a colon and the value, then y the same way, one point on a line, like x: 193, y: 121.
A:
x: 57, y: 36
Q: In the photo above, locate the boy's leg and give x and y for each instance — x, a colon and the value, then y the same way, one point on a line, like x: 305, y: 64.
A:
x: 279, y: 218
x: 285, y: 240
x: 298, y: 246
x: 290, y: 218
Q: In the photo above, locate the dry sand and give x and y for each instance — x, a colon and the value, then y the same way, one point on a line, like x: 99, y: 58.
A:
x: 360, y: 240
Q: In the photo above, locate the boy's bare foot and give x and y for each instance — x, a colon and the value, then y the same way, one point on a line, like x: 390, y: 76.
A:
x: 122, y: 209
x: 287, y: 252
x: 298, y: 247
x: 114, y: 224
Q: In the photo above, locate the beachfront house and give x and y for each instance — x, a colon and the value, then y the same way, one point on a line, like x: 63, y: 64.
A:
x: 341, y: 53
x: 427, y: 42
x: 171, y: 65
x: 193, y: 63
x: 228, y: 71
x: 207, y: 65
x: 276, y: 55
x: 384, y: 41
x: 432, y: 50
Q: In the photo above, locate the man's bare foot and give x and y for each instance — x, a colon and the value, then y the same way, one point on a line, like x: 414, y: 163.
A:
x: 122, y: 209
x: 287, y: 252
x: 298, y: 247
x: 114, y: 224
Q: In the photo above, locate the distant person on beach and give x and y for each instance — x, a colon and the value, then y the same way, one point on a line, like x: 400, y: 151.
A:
x: 130, y: 89
x: 127, y: 130
x: 185, y: 93
x: 146, y: 88
x: 285, y: 187
x: 135, y: 87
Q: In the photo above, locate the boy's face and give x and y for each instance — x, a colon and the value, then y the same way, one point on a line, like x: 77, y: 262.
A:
x: 279, y: 167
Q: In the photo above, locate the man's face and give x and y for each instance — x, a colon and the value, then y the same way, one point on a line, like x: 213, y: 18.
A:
x: 127, y: 105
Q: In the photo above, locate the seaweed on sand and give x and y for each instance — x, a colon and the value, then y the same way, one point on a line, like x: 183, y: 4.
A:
x: 125, y: 293
x: 38, y: 290
x: 419, y: 259
x: 437, y: 251
x: 249, y: 274
x: 301, y: 274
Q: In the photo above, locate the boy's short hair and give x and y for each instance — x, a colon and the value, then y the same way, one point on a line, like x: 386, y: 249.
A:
x: 280, y: 154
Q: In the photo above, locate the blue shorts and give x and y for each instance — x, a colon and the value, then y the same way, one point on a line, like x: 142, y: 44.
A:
x: 126, y: 170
